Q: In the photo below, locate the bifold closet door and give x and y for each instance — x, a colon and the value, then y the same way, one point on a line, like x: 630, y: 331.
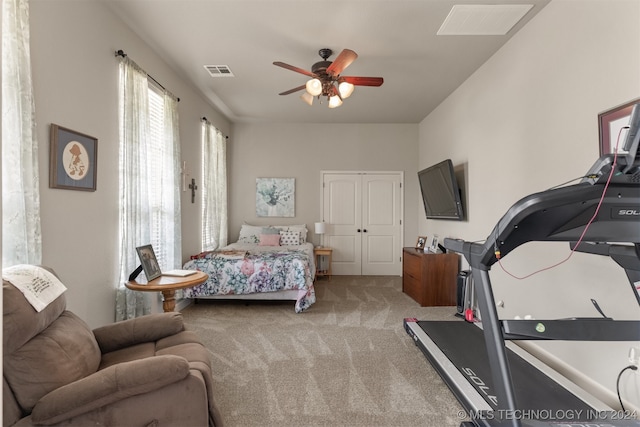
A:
x: 381, y: 225
x: 343, y: 213
x: 363, y: 213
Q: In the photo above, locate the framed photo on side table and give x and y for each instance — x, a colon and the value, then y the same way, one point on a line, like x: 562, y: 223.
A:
x: 149, y: 262
x: 73, y: 160
x: 421, y: 242
x: 610, y: 125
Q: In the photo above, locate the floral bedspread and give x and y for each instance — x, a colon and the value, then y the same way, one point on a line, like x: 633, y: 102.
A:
x: 262, y: 269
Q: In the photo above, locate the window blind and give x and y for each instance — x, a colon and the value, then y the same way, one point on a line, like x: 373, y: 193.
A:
x: 156, y: 160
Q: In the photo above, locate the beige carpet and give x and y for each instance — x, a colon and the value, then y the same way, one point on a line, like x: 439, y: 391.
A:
x: 346, y: 361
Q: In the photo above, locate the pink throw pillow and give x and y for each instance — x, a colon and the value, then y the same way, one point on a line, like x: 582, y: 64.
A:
x: 269, y: 240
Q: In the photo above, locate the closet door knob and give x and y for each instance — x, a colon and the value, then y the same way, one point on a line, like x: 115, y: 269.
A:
x: 358, y: 230
x: 364, y: 231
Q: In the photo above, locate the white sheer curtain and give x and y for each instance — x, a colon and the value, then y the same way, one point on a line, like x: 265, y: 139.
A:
x: 135, y: 212
x: 214, y: 188
x: 21, y: 236
x: 169, y: 228
x: 150, y: 210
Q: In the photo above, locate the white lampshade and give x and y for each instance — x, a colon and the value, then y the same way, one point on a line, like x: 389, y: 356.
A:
x: 335, y: 101
x: 345, y: 89
x: 321, y: 227
x: 307, y: 97
x: 314, y: 87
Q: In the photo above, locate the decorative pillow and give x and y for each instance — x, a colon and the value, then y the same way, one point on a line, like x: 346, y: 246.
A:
x: 250, y: 233
x: 302, y: 229
x: 269, y: 240
x: 289, y: 238
x: 270, y: 230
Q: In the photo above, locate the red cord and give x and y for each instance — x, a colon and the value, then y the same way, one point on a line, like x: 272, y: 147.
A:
x: 613, y: 168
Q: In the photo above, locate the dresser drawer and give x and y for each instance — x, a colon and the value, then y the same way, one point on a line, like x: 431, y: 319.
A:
x: 413, y: 287
x: 412, y: 266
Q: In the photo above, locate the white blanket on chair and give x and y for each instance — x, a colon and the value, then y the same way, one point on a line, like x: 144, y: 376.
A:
x: 39, y: 286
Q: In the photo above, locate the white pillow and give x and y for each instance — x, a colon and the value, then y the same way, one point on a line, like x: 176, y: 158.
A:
x: 250, y: 233
x: 289, y: 238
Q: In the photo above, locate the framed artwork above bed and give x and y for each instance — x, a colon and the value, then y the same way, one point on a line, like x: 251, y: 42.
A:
x: 275, y: 197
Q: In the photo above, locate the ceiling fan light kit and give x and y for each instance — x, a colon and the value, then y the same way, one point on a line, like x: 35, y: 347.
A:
x: 345, y: 89
x: 314, y: 87
x: 306, y: 97
x: 326, y: 80
x: 335, y: 101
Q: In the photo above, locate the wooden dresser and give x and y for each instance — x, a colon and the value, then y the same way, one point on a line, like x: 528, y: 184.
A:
x: 428, y: 278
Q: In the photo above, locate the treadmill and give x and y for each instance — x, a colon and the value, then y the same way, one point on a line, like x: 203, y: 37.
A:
x: 497, y: 382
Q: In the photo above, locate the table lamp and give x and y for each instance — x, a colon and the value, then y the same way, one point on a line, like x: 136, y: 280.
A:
x: 321, y: 228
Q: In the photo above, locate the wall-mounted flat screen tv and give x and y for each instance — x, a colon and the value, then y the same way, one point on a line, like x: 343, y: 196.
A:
x: 440, y: 192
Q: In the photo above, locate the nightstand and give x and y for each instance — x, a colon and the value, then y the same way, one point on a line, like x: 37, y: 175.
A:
x: 320, y: 252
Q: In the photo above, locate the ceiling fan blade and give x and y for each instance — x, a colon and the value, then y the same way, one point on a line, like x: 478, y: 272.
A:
x: 362, y: 81
x: 346, y: 57
x: 295, y: 89
x: 293, y: 68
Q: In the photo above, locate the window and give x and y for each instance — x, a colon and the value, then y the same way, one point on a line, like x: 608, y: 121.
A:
x: 159, y: 158
x: 149, y: 179
x: 214, y: 188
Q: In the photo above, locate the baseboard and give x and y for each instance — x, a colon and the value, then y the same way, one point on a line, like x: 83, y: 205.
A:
x: 183, y: 303
x: 579, y: 378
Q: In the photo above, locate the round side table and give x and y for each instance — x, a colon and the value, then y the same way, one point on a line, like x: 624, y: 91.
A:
x: 168, y: 285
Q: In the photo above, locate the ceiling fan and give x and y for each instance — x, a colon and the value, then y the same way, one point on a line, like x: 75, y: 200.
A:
x: 326, y: 80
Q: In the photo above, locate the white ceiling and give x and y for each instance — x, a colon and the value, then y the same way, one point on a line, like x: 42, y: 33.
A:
x: 395, y: 39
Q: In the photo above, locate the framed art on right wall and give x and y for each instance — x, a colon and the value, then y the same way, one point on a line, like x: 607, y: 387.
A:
x: 611, y: 126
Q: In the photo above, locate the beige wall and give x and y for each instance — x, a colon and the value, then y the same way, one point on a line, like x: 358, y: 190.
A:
x: 526, y: 121
x: 301, y: 151
x: 75, y: 77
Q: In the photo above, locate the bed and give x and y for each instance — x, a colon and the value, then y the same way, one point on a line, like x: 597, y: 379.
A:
x: 267, y: 262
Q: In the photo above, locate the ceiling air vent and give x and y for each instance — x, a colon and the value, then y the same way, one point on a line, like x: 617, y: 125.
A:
x: 219, y: 70
x: 482, y: 19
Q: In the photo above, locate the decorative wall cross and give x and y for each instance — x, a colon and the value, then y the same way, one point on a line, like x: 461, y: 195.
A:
x: 193, y: 188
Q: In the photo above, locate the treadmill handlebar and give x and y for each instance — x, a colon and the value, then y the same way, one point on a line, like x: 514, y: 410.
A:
x: 455, y: 245
x: 470, y: 250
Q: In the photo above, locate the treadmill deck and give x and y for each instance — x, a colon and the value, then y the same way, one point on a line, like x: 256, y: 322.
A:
x: 457, y: 351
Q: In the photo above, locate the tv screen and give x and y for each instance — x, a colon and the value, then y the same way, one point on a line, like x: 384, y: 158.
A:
x: 440, y: 192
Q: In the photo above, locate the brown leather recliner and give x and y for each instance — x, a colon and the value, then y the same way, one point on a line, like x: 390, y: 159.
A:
x: 148, y: 371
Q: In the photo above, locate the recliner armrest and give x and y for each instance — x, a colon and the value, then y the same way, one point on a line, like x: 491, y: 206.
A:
x: 147, y: 328
x: 109, y: 385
